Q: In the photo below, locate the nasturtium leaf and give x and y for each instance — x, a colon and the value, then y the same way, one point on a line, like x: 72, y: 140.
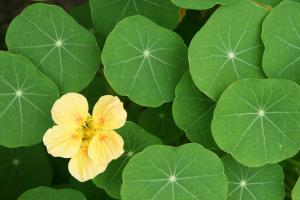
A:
x: 187, y: 172
x: 107, y: 13
x: 135, y: 140
x: 201, y: 4
x: 90, y: 191
x: 269, y: 2
x: 47, y: 193
x: 26, y: 97
x: 227, y: 48
x: 193, y: 112
x: 56, y: 44
x: 296, y: 191
x: 21, y: 169
x: 257, y: 121
x: 281, y: 37
x: 262, y: 183
x: 159, y: 122
x: 144, y: 61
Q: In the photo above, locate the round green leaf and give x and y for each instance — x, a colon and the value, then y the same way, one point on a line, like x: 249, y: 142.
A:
x: 159, y: 121
x: 107, y: 13
x: 296, y: 191
x: 281, y: 37
x: 135, y: 140
x: 144, y: 61
x: 193, y: 112
x: 269, y: 2
x: 257, y: 121
x: 23, y: 168
x: 56, y: 44
x: 227, y: 48
x: 187, y: 172
x: 26, y: 97
x: 201, y: 4
x: 263, y: 183
x: 90, y: 191
x: 43, y: 193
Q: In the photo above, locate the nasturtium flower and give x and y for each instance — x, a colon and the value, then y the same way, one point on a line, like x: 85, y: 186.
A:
x: 89, y: 140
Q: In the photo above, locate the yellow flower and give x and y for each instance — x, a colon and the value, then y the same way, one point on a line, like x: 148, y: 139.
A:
x: 89, y: 140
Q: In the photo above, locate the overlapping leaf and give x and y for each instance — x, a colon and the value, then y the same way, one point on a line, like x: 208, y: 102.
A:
x: 56, y: 44
x: 26, y: 97
x: 281, y: 37
x: 41, y: 193
x: 263, y: 183
x: 187, y: 172
x: 160, y: 122
x: 21, y: 169
x: 257, y: 121
x: 193, y: 111
x: 144, y: 61
x: 227, y: 48
x: 135, y: 139
x: 107, y: 13
x: 296, y: 191
x: 201, y: 4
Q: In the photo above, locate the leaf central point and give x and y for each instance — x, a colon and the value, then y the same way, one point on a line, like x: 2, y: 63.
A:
x: 146, y: 53
x: 172, y: 178
x: 261, y: 112
x: 58, y: 43
x: 243, y: 183
x: 19, y: 93
x: 231, y: 55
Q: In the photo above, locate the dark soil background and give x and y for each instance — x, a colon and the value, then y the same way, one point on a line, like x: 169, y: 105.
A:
x: 11, y: 8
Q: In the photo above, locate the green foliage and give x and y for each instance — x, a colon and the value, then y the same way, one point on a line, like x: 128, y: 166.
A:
x: 136, y: 139
x: 186, y: 172
x: 21, y: 169
x: 26, y: 97
x: 257, y: 121
x: 51, y: 194
x: 144, y: 61
x: 217, y: 120
x: 56, y: 44
x: 227, y: 48
x: 201, y: 5
x: 193, y: 111
x: 262, y: 183
x: 282, y: 41
x: 107, y: 13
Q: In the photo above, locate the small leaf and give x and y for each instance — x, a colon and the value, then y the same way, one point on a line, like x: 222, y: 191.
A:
x: 107, y: 13
x: 23, y: 168
x: 56, y: 44
x: 187, y: 172
x: 135, y: 140
x: 263, y: 183
x: 26, y: 97
x: 193, y: 111
x: 281, y: 37
x: 201, y: 4
x: 296, y: 191
x: 42, y: 192
x: 159, y: 122
x: 257, y: 121
x: 227, y: 48
x: 89, y: 190
x: 144, y: 61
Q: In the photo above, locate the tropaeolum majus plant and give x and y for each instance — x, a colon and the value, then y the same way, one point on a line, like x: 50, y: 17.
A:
x: 152, y: 100
x: 89, y: 140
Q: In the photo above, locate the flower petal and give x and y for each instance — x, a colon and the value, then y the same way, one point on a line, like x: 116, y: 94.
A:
x: 62, y: 141
x: 109, y: 113
x: 71, y: 109
x: 106, y: 146
x: 83, y: 168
